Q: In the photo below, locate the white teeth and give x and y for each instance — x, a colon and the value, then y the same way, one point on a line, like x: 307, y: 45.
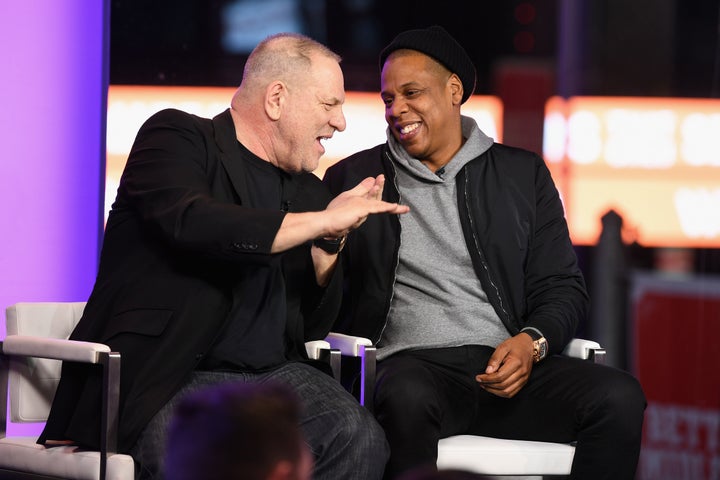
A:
x: 409, y: 128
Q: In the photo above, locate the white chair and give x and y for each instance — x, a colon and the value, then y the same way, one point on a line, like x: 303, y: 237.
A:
x: 486, y: 455
x: 30, y: 360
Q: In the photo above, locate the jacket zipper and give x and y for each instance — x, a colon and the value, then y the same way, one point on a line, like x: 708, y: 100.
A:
x: 476, y: 241
x: 393, y: 273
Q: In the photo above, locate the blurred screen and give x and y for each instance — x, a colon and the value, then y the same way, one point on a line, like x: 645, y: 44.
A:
x: 655, y: 161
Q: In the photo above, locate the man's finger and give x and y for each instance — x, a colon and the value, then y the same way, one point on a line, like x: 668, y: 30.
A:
x: 363, y: 187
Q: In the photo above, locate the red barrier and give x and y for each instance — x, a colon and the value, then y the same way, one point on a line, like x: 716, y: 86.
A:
x: 676, y: 327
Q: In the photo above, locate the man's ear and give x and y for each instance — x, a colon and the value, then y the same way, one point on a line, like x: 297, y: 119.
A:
x: 456, y: 89
x: 275, y: 99
x: 283, y: 470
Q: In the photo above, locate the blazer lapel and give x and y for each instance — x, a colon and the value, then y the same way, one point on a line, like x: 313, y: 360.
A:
x: 230, y: 158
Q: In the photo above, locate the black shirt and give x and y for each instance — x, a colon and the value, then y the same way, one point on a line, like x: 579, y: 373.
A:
x: 254, y: 338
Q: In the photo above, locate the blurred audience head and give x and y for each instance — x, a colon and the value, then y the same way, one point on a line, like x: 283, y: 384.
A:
x: 235, y: 431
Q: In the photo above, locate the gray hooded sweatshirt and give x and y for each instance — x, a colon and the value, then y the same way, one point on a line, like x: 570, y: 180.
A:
x: 437, y: 299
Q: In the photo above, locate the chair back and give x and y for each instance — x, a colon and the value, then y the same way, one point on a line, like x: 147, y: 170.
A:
x: 32, y: 381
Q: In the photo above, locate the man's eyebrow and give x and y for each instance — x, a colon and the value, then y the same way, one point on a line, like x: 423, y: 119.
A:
x: 413, y: 84
x: 332, y: 101
x: 410, y: 84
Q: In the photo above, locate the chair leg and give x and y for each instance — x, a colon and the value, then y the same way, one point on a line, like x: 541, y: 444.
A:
x: 332, y: 357
x: 597, y: 355
x: 367, y: 376
x: 4, y: 368
x: 110, y: 408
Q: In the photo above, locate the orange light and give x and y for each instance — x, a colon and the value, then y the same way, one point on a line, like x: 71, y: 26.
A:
x: 653, y: 160
x: 130, y: 106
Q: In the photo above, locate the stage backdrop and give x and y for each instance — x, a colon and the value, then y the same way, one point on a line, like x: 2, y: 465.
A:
x: 53, y: 91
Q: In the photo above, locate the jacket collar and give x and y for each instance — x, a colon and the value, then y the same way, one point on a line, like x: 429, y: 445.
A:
x: 230, y: 154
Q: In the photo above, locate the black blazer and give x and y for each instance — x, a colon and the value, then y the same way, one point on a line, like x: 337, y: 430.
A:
x: 176, y: 237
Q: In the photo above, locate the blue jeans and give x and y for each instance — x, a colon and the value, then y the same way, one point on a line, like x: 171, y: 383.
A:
x: 343, y: 436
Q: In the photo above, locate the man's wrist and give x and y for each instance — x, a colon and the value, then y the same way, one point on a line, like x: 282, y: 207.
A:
x: 540, y: 345
x: 534, y: 333
x: 330, y: 245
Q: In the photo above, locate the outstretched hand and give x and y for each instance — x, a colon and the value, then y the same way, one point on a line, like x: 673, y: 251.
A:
x: 345, y: 212
x: 351, y: 208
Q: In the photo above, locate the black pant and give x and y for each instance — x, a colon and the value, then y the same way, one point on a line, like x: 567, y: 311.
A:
x: 425, y: 395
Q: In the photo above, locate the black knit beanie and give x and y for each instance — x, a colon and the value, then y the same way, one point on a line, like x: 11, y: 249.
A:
x: 437, y: 43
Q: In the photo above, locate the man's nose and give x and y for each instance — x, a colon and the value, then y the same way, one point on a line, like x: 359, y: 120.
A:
x: 338, y: 121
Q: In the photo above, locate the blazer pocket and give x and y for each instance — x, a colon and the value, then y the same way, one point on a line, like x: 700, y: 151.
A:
x: 146, y: 321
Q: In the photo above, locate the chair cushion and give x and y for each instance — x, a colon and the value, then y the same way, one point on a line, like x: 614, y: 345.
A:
x: 44, y: 319
x: 496, y: 456
x: 33, y: 381
x: 68, y: 462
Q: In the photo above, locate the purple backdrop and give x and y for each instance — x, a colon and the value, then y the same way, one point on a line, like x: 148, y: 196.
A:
x: 53, y: 90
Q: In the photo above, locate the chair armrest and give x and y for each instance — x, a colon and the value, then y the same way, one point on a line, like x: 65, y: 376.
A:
x: 348, y: 344
x: 585, y: 349
x: 85, y: 352
x: 314, y: 348
x: 54, y: 348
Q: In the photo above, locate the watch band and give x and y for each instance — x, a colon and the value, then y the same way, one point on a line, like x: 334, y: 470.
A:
x: 330, y: 245
x: 534, y: 333
x: 540, y: 345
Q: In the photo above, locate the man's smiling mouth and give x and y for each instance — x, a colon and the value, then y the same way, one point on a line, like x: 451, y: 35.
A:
x: 409, y: 128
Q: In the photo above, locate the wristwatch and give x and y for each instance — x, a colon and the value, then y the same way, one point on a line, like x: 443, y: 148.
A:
x: 330, y: 245
x: 540, y: 345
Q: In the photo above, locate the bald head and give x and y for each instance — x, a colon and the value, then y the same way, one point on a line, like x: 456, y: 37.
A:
x: 286, y: 57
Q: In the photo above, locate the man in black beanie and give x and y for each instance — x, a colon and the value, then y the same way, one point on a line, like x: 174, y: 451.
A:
x: 471, y: 296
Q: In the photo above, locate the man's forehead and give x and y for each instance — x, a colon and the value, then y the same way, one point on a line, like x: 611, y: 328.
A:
x: 407, y: 70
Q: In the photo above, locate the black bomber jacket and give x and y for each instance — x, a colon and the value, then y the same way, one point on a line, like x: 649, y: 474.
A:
x: 514, y: 226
